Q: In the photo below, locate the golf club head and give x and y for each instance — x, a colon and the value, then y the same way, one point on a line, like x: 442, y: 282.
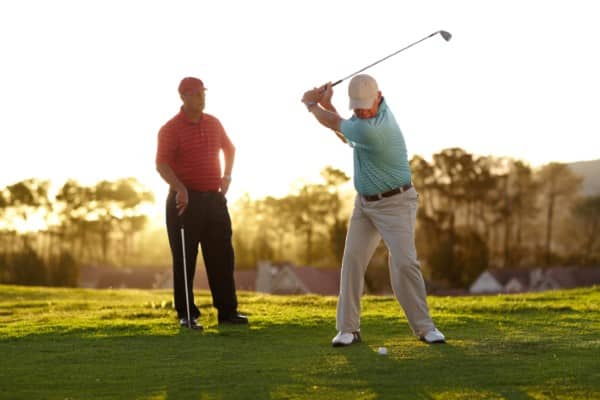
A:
x: 446, y: 35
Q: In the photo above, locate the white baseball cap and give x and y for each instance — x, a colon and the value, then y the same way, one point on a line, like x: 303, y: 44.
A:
x: 363, y: 91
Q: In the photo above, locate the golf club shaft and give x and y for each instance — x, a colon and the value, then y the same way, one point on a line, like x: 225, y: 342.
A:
x: 444, y: 34
x: 185, y: 278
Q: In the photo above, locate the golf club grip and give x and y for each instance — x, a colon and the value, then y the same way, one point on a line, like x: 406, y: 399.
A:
x: 336, y: 82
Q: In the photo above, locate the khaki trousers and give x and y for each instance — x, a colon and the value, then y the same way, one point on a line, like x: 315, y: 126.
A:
x: 393, y: 219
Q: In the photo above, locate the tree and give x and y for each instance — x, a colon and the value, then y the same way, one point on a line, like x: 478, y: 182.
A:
x: 586, y: 214
x: 27, y: 198
x: 3, y: 226
x: 63, y: 270
x: 559, y: 185
x: 457, y: 187
x: 74, y: 203
x: 334, y: 179
x: 423, y: 176
x: 3, y: 202
x: 259, y: 232
x: 308, y: 210
x: 522, y: 192
x: 106, y: 210
x: 25, y: 267
x: 461, y: 207
x: 21, y: 204
x: 307, y: 226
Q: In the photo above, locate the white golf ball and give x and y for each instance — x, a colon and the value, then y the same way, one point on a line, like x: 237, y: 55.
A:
x: 382, y: 351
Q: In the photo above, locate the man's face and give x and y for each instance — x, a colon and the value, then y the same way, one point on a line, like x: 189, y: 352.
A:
x: 194, y: 101
x: 366, y: 113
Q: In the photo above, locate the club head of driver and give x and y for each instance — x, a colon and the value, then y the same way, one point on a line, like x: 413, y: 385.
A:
x: 446, y: 35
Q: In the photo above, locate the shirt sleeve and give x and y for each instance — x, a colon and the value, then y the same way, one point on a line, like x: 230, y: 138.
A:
x: 167, y: 147
x: 361, y: 133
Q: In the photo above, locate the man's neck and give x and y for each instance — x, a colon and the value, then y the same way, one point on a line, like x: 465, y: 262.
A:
x: 192, y: 114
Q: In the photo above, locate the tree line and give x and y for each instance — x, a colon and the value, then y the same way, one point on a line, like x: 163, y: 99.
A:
x: 480, y: 212
x: 79, y: 224
x: 474, y: 213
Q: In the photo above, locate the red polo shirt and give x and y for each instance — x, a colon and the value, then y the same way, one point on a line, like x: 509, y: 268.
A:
x: 192, y: 150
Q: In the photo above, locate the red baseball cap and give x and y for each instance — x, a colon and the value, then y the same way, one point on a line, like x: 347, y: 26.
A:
x: 190, y: 85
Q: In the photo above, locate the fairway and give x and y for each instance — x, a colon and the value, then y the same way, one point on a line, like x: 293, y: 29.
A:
x: 126, y: 344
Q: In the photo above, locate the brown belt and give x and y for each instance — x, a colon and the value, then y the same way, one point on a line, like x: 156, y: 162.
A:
x: 379, y: 196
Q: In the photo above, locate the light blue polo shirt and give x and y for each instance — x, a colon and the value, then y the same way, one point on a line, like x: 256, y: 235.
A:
x: 380, y: 156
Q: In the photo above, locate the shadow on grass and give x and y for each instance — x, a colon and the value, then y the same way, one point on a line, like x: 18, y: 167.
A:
x: 416, y: 370
x: 288, y: 361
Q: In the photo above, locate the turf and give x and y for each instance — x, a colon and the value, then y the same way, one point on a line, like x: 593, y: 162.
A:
x: 126, y: 344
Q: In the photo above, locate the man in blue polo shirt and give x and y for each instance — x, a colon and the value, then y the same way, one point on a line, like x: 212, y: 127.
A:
x: 385, y: 207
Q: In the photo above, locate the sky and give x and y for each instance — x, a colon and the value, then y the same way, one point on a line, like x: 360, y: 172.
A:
x: 86, y: 85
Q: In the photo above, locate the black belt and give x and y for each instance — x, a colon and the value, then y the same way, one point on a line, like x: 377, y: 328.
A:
x: 379, y: 196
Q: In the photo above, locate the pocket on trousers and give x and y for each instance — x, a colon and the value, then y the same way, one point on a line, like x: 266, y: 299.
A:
x: 219, y: 216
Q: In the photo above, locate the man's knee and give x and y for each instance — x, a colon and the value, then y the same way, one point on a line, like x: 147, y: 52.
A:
x: 405, y: 263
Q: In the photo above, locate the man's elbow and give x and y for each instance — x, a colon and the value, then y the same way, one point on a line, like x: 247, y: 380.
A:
x: 336, y: 124
x: 229, y: 151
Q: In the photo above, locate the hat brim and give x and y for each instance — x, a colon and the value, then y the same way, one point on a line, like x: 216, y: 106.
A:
x: 192, y: 90
x: 361, y: 104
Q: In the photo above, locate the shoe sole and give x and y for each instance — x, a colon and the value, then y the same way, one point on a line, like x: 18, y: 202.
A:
x: 340, y: 344
x: 441, y: 341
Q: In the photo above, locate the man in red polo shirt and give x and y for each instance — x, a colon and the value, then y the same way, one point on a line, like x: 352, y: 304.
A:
x: 187, y: 158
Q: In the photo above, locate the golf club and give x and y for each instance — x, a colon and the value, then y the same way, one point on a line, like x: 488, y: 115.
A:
x: 446, y: 35
x: 185, y: 278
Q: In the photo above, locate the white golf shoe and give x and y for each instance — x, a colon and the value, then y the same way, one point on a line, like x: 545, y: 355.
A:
x: 183, y: 322
x: 433, y: 336
x: 345, y: 339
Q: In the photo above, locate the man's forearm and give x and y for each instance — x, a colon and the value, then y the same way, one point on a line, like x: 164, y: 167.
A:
x: 327, y: 118
x: 330, y: 107
x: 166, y: 172
x: 318, y: 102
x: 228, y: 158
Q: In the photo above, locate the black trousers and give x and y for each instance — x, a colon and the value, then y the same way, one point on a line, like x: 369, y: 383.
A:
x: 206, y: 223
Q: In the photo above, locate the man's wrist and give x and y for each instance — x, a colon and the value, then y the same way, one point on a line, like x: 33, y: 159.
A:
x: 310, y: 104
x: 227, y: 177
x: 179, y: 188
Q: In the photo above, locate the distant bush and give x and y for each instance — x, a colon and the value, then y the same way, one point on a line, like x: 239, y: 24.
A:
x: 26, y: 268
x: 3, y: 269
x: 63, y: 270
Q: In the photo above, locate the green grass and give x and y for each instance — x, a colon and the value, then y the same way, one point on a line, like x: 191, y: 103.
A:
x: 123, y: 344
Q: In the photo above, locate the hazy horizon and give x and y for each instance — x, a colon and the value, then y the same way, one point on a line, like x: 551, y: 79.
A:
x: 160, y: 187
